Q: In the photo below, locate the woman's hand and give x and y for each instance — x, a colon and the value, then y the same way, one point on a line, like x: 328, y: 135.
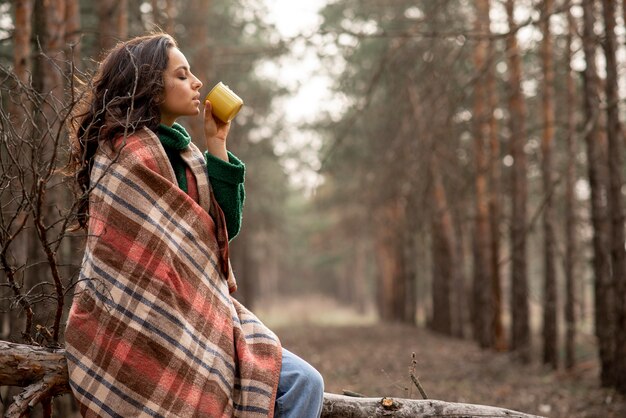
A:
x: 215, y: 133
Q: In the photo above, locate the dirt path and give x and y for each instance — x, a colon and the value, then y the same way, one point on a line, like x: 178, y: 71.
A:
x: 375, y: 359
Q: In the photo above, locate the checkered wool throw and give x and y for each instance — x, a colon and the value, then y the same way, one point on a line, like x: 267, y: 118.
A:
x: 153, y: 330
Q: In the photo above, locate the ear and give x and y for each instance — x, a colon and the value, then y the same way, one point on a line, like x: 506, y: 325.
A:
x: 159, y: 98
x: 159, y: 86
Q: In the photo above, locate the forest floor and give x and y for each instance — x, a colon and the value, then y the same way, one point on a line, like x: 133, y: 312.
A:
x: 355, y: 353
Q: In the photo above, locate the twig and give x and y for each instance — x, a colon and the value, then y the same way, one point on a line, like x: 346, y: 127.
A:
x: 414, y: 378
x: 353, y: 394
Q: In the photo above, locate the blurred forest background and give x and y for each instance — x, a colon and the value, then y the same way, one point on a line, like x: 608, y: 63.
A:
x: 466, y: 178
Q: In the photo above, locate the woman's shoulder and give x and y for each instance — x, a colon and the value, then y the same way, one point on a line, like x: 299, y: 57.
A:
x: 140, y: 138
x: 140, y: 146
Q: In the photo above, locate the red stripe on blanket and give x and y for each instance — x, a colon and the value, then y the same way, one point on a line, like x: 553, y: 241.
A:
x: 153, y: 373
x: 155, y: 267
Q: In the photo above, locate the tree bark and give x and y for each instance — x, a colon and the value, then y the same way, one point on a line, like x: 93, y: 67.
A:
x: 390, y: 260
x: 520, y: 326
x: 495, y: 204
x: 596, y: 157
x: 615, y: 196
x: 170, y: 16
x: 48, y: 132
x: 482, y: 301
x: 72, y: 30
x: 571, y: 220
x: 409, y: 235
x: 156, y: 13
x: 550, y: 331
x: 336, y: 406
x: 245, y: 267
x: 122, y: 19
x: 357, y: 275
x: 44, y: 372
x: 112, y: 20
x: 166, y: 18
x: 200, y: 52
x: 21, y: 39
x: 19, y: 107
x: 444, y: 254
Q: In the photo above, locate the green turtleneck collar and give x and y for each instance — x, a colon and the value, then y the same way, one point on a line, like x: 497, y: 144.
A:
x: 175, y: 136
x: 174, y: 140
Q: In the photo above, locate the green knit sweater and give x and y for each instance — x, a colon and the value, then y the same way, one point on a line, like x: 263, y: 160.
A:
x: 226, y: 177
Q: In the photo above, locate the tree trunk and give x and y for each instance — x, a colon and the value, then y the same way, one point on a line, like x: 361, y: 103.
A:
x: 571, y: 221
x: 112, y: 22
x: 166, y: 18
x: 48, y: 135
x: 200, y: 53
x: 390, y: 260
x: 245, y: 268
x: 444, y: 253
x: 50, y: 27
x: 11, y: 197
x: 482, y: 302
x: 72, y: 30
x: 409, y: 235
x: 170, y: 21
x: 550, y: 331
x: 122, y: 19
x: 596, y: 157
x: 358, y: 275
x: 495, y: 204
x: 615, y: 197
x: 136, y: 20
x: 44, y: 372
x: 156, y: 12
x: 520, y: 326
x: 21, y: 39
x: 460, y: 311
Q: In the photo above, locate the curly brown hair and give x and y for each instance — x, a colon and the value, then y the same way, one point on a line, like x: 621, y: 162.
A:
x: 123, y: 96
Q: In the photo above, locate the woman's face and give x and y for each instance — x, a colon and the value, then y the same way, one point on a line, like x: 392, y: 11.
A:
x: 182, y: 89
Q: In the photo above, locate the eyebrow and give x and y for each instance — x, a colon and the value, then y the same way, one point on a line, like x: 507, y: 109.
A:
x: 184, y: 67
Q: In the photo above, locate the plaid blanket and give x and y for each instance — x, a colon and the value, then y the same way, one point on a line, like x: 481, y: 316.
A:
x: 153, y: 330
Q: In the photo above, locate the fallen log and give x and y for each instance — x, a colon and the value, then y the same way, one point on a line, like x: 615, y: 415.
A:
x: 41, y: 371
x: 43, y: 374
x: 336, y: 406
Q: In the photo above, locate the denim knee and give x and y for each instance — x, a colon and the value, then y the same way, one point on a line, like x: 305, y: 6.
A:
x: 310, y: 380
x: 300, y: 389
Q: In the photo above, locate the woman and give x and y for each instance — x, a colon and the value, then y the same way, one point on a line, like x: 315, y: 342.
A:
x: 153, y: 330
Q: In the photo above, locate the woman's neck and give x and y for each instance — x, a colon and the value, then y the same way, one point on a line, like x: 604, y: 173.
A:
x: 167, y: 121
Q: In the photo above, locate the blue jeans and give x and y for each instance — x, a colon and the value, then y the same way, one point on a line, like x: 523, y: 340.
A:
x: 300, y: 389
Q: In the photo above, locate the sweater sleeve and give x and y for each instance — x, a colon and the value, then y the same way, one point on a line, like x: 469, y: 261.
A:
x: 227, y: 180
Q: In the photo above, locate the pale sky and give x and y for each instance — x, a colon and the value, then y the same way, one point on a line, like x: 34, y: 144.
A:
x: 302, y: 72
x: 301, y: 69
x: 292, y: 17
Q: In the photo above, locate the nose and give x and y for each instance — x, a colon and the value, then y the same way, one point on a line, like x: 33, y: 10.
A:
x: 197, y: 83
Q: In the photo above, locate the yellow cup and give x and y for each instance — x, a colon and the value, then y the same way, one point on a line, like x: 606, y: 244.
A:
x: 225, y: 103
